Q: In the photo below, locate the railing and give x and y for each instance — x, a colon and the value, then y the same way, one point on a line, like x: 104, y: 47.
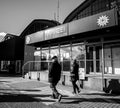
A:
x: 42, y: 66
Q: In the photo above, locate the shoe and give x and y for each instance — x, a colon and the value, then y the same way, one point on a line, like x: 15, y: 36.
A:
x: 79, y: 91
x: 59, y: 98
x: 73, y: 93
x: 52, y: 96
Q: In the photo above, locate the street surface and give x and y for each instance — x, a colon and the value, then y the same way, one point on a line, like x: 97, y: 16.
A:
x: 16, y: 92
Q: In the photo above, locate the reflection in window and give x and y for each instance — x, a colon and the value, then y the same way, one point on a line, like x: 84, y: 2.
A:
x: 112, y: 59
x: 44, y: 59
x: 96, y: 7
x: 98, y: 58
x: 78, y: 52
x: 89, y: 59
x: 54, y: 52
x: 37, y: 56
x: 65, y: 58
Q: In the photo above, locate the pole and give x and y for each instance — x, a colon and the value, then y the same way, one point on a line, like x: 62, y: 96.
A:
x: 103, y: 65
x: 58, y: 11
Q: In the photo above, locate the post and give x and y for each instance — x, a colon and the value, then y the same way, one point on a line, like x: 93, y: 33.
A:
x: 58, y: 11
x: 103, y: 65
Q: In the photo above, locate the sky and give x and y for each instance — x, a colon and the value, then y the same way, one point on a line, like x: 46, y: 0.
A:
x: 16, y: 15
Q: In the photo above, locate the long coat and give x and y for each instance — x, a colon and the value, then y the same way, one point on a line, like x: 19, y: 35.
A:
x: 54, y: 72
x: 74, y: 72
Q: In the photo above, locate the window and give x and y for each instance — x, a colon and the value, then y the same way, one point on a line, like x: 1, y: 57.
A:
x: 89, y: 59
x: 96, y: 7
x: 112, y: 59
x: 78, y: 52
x: 44, y: 59
x: 93, y: 59
x: 65, y: 58
x: 54, y: 52
x: 98, y: 59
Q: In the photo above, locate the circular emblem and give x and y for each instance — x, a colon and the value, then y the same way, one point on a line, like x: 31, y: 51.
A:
x: 27, y: 39
x: 103, y: 20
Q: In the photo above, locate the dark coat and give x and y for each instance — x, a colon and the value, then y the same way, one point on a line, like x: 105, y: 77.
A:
x: 74, y: 72
x: 54, y: 72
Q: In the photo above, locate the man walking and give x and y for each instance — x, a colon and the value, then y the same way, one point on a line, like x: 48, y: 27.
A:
x: 54, y: 77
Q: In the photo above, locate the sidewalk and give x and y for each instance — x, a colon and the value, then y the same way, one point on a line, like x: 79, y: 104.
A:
x: 39, y: 92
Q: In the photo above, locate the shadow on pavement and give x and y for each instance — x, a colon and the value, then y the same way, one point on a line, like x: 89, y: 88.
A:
x: 10, y: 97
x: 43, y: 95
x: 71, y: 100
x: 4, y: 81
x: 101, y: 94
x: 27, y: 90
x: 9, y: 75
x: 16, y: 98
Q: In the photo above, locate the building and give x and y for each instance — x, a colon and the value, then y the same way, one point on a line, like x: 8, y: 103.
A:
x: 11, y: 54
x: 12, y: 47
x: 89, y: 33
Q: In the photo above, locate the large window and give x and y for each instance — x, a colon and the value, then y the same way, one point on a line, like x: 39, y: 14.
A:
x: 65, y: 58
x: 44, y: 59
x: 37, y: 56
x: 96, y: 7
x: 112, y: 59
x: 45, y: 54
x: 78, y: 52
x: 89, y: 59
x: 54, y: 51
x: 93, y: 59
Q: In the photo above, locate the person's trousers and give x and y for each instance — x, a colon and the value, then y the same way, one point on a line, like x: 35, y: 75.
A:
x: 55, y: 93
x: 75, y: 87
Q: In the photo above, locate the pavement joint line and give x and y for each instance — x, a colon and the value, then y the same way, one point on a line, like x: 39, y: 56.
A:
x: 12, y: 88
x: 8, y: 105
x: 17, y: 81
x: 6, y: 85
x: 108, y: 100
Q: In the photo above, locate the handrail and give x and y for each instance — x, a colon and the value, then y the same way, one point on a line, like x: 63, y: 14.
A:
x: 41, y: 67
x: 28, y: 63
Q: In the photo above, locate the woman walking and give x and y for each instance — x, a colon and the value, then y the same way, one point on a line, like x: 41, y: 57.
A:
x: 75, y: 76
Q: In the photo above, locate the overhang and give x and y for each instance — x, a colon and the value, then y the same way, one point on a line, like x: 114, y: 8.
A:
x: 37, y: 25
x: 88, y: 24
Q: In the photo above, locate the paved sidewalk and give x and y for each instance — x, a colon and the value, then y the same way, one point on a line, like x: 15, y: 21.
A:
x: 29, y: 93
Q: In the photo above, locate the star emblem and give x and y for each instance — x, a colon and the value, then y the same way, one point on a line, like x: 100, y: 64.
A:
x: 103, y: 20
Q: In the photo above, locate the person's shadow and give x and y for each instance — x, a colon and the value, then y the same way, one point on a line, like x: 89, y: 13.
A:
x: 112, y: 87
